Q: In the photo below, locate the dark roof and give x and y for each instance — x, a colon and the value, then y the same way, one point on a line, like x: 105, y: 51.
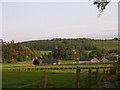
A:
x: 50, y: 61
x: 111, y: 58
x: 85, y: 59
x: 99, y: 58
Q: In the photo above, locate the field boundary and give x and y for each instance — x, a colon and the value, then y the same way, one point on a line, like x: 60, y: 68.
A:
x: 67, y: 68
x: 98, y: 78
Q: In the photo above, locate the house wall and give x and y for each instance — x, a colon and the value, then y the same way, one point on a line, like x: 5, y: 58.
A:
x: 94, y: 60
x: 104, y: 60
x: 59, y: 63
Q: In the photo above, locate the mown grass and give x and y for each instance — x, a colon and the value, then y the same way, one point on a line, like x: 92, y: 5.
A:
x: 29, y: 64
x: 55, y: 78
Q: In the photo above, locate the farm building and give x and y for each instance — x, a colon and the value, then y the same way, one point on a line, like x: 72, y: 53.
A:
x: 104, y: 60
x: 85, y: 60
x: 95, y: 60
x: 51, y: 62
x: 112, y: 59
x: 99, y: 58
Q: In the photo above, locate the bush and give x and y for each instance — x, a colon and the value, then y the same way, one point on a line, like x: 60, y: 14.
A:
x: 10, y: 61
x: 27, y: 58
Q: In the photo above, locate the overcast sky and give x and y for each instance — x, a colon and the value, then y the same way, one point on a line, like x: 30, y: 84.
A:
x: 23, y: 21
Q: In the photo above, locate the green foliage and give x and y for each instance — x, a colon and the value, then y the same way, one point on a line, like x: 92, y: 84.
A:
x: 40, y: 53
x: 62, y: 52
x: 97, y: 48
x: 79, y: 44
x: 12, y: 52
x: 67, y: 49
x: 100, y: 52
x: 93, y: 53
x: 83, y: 54
x: 27, y: 58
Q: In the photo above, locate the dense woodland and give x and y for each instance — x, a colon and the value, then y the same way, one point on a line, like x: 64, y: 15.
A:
x: 12, y: 52
x: 63, y: 49
x: 79, y: 44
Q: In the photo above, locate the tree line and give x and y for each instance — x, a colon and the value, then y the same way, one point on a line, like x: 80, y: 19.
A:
x: 16, y: 52
x: 65, y: 53
x: 13, y: 52
x: 63, y: 49
x: 79, y: 44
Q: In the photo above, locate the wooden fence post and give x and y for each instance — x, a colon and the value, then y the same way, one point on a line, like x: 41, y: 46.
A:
x: 77, y: 82
x: 113, y: 70
x: 103, y: 71
x: 97, y: 81
x: 43, y: 81
x: 107, y: 72
x: 89, y: 78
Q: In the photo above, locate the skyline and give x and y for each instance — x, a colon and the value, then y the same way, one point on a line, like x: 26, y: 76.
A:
x: 26, y: 21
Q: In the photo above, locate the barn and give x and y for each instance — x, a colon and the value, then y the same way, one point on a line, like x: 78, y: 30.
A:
x: 112, y: 59
x: 85, y: 60
x: 89, y: 60
x: 45, y: 62
x: 104, y: 60
x: 95, y: 60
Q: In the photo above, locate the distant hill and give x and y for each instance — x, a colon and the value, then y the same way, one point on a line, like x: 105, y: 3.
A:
x: 80, y: 44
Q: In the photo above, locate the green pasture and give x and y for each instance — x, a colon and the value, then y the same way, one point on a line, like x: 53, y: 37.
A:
x: 55, y: 78
x: 29, y: 64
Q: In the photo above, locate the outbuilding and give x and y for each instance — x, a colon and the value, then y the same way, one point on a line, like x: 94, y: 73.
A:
x: 94, y: 60
x: 104, y: 60
x: 85, y: 60
x: 45, y: 62
x: 112, y: 59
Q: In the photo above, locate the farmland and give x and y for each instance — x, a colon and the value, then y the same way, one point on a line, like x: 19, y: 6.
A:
x: 55, y: 78
x: 28, y: 64
x: 19, y: 71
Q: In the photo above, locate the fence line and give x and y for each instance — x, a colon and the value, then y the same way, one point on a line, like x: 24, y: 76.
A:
x: 77, y: 82
x: 97, y: 75
x: 43, y: 79
x: 89, y: 77
x: 112, y: 70
x: 67, y: 68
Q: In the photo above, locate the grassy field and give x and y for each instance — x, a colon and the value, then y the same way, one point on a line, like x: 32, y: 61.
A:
x: 29, y: 64
x: 55, y: 78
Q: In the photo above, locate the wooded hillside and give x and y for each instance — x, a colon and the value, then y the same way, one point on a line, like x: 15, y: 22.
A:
x: 79, y: 44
